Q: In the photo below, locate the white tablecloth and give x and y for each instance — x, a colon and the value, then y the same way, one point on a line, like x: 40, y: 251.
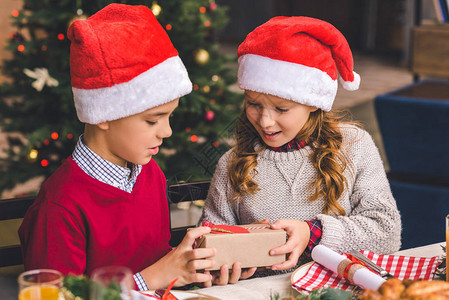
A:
x: 262, y: 288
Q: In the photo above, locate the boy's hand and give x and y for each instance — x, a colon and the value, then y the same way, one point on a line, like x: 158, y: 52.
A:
x: 182, y: 262
x: 298, y: 238
x: 263, y: 221
x: 224, y: 276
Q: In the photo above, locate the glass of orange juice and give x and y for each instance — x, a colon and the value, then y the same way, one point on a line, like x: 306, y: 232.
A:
x: 40, y: 284
x: 447, y: 247
x: 111, y: 282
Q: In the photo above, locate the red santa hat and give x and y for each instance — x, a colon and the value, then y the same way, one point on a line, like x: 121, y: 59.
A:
x: 297, y: 58
x: 122, y: 62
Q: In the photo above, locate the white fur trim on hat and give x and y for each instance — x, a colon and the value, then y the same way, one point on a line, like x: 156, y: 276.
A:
x: 350, y: 85
x: 160, y: 84
x: 296, y: 82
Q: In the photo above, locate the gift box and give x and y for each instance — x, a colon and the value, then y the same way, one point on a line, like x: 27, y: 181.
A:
x: 247, y: 244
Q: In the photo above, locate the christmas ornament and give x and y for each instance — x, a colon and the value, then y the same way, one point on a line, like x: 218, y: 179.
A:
x: 202, y: 57
x: 54, y: 135
x: 194, y: 138
x: 15, y: 13
x: 42, y: 78
x: 33, y: 154
x: 196, y: 87
x: 213, y: 6
x: 207, y: 23
x: 79, y: 13
x: 156, y: 9
x: 210, y: 115
x: 17, y: 37
x: 206, y: 89
x: 215, y: 78
x: 202, y: 10
x: 44, y: 163
x: 20, y: 48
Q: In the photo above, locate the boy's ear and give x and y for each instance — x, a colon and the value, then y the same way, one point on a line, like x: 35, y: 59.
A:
x: 103, y: 125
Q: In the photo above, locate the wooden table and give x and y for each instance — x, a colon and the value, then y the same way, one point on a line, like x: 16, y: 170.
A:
x: 261, y: 288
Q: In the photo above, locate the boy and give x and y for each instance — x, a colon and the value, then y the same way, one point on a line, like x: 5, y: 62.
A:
x: 106, y: 204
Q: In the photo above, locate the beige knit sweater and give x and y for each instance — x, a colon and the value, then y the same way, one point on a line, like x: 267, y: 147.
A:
x: 372, y: 221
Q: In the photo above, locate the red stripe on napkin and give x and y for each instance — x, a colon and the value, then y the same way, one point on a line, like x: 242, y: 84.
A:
x: 400, y: 266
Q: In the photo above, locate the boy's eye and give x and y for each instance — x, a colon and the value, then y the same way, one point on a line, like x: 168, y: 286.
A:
x: 151, y: 123
x: 253, y: 104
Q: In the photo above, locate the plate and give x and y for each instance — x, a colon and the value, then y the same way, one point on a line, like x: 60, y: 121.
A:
x: 300, y: 272
x: 184, y: 295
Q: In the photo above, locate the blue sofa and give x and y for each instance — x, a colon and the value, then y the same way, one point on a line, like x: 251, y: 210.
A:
x: 414, y: 123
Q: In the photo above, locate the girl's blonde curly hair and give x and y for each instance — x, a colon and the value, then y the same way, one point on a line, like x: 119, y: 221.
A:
x: 321, y: 132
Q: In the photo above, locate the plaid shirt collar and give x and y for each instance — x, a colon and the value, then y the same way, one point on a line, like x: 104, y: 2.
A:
x: 290, y: 146
x: 103, y: 170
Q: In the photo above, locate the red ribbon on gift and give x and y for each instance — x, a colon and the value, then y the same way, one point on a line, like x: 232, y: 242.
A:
x: 219, y: 229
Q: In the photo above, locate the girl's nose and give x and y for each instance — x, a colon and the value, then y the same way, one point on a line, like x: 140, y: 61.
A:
x: 266, y: 118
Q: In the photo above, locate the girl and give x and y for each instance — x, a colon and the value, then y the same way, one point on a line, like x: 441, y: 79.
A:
x: 295, y: 164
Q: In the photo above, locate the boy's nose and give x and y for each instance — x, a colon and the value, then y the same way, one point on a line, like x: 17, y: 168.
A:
x: 266, y: 118
x: 165, y: 131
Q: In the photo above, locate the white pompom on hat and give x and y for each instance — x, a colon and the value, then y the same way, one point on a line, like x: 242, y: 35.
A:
x: 122, y: 63
x: 297, y: 58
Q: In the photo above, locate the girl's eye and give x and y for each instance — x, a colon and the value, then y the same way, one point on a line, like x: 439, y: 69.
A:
x: 281, y: 109
x: 151, y: 123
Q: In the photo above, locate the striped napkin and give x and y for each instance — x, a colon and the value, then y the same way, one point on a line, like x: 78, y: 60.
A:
x: 400, y: 266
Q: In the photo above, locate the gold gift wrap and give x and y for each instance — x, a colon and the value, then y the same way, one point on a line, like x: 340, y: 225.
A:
x: 250, y: 249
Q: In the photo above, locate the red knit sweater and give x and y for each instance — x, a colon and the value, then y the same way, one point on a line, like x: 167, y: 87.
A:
x: 78, y: 223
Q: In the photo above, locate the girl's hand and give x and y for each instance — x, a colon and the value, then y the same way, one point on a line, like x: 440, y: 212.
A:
x: 298, y: 238
x: 182, y: 262
x: 224, y: 276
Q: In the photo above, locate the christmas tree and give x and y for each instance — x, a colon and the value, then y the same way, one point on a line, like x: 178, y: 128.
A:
x: 37, y: 101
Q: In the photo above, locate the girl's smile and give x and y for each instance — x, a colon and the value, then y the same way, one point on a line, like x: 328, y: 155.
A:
x: 272, y: 135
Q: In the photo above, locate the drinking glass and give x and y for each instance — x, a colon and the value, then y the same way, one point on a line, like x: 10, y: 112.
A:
x: 40, y: 284
x: 111, y: 282
x: 447, y: 247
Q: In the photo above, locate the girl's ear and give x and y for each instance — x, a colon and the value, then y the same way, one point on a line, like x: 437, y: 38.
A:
x: 103, y: 125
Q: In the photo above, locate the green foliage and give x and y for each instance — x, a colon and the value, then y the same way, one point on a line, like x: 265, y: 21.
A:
x: 82, y: 288
x: 41, y: 28
x: 321, y: 294
x: 76, y: 286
